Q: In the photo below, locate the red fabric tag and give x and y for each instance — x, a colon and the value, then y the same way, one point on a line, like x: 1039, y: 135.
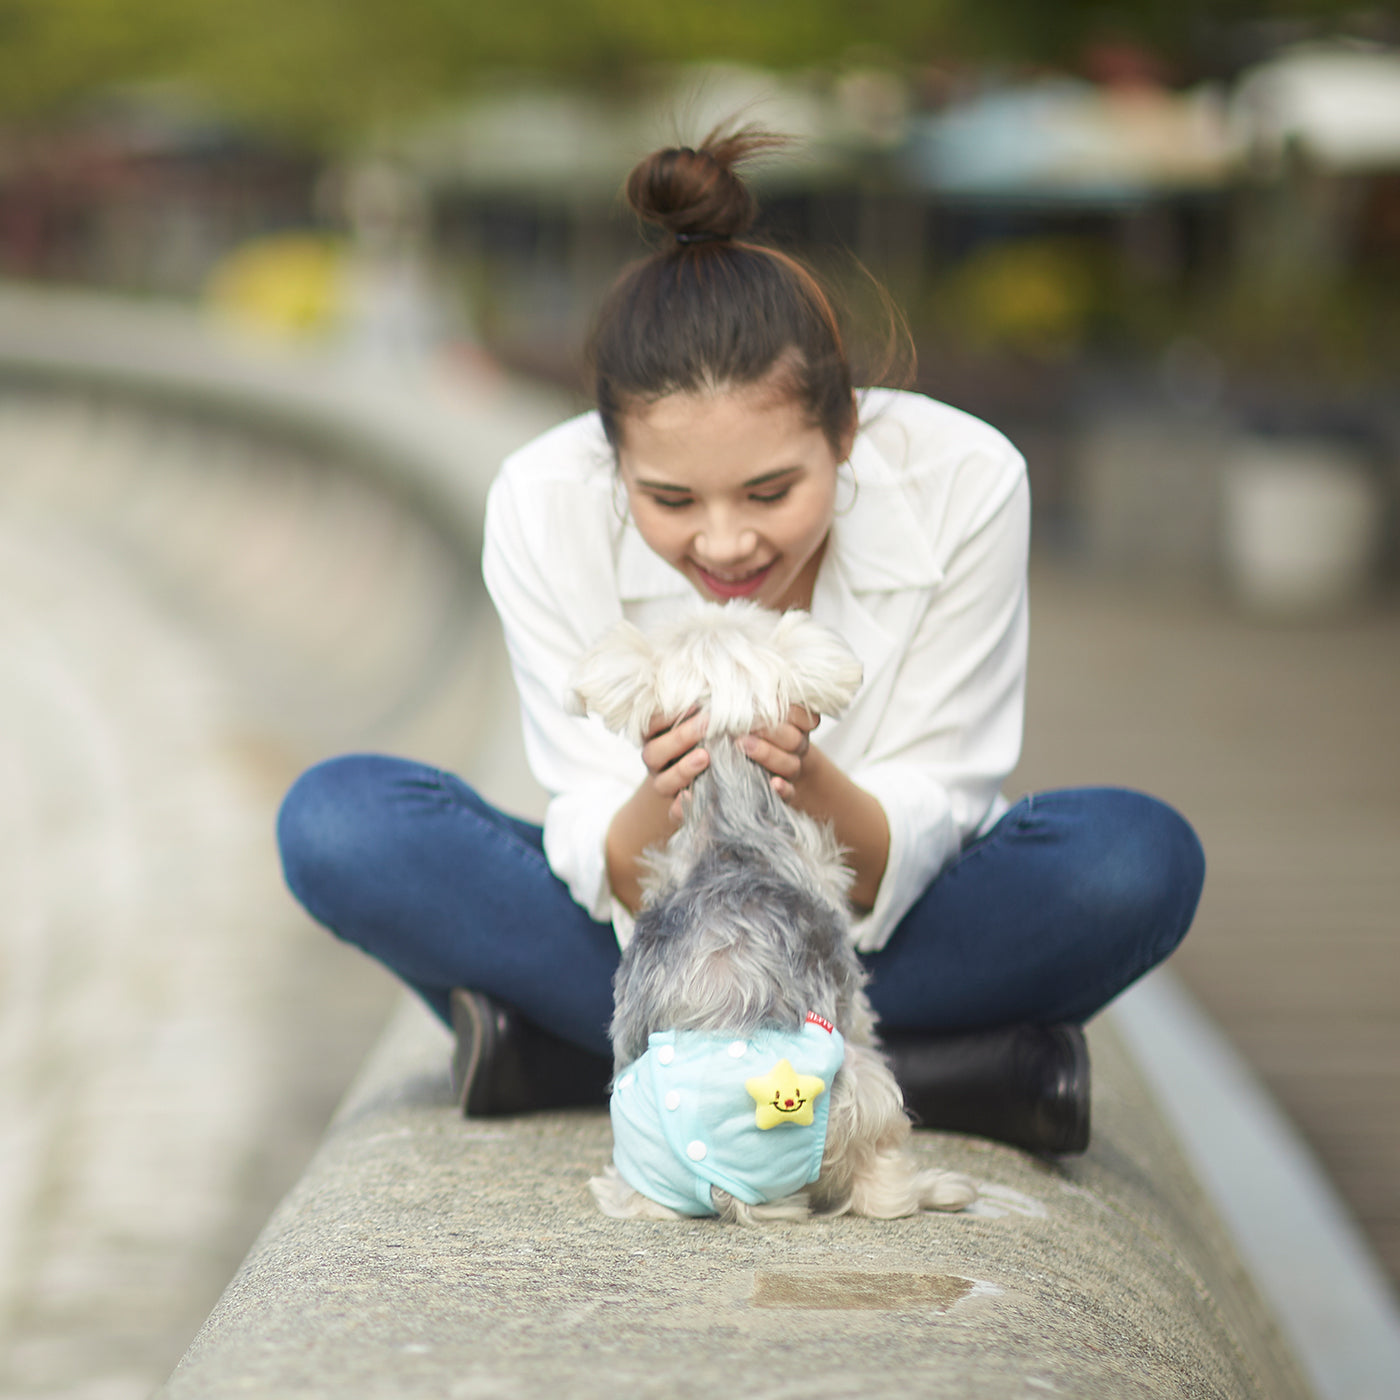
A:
x: 815, y: 1020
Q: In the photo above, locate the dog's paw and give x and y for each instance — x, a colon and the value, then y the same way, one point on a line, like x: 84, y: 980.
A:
x: 618, y: 1200
x: 733, y: 1211
x: 940, y: 1190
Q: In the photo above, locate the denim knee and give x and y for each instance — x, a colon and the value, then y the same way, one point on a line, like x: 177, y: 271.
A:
x: 320, y: 829
x: 1149, y: 874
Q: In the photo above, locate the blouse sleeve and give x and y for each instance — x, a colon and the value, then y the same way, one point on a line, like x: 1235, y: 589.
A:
x: 547, y: 565
x: 951, y: 733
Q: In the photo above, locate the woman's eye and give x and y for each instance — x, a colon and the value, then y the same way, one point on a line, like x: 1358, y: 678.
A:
x: 672, y: 502
x: 771, y: 497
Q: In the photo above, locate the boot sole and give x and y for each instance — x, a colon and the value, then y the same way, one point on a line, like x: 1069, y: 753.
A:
x: 469, y: 1026
x: 1073, y: 1137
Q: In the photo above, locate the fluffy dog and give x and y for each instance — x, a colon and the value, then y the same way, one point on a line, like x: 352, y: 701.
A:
x: 748, y: 1083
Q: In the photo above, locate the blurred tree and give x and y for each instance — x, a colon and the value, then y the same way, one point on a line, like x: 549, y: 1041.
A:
x: 326, y: 67
x: 55, y: 52
x: 1186, y: 34
x: 330, y: 70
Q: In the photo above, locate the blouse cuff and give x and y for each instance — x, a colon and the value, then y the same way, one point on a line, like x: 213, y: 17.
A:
x: 575, y: 840
x: 922, y: 840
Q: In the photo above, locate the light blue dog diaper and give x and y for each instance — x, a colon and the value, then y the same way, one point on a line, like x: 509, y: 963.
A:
x: 749, y: 1116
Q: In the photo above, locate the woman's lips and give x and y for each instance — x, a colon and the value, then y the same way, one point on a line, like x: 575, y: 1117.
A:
x: 735, y: 588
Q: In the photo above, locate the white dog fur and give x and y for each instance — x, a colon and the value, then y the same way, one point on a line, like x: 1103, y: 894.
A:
x: 701, y: 957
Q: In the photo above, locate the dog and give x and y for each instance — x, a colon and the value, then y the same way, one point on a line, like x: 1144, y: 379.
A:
x: 748, y: 1081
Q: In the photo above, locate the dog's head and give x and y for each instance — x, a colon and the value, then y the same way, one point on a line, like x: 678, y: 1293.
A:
x: 742, y: 663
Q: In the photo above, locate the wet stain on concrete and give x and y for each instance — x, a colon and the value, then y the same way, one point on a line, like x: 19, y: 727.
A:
x: 820, y: 1288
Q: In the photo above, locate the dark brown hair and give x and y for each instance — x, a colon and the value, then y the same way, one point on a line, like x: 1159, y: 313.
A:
x: 710, y: 308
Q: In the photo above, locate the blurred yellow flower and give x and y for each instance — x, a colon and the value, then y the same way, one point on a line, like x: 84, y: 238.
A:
x: 288, y: 284
x: 1033, y: 295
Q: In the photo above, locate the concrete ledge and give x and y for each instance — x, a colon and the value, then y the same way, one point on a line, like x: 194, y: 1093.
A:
x: 434, y: 434
x: 427, y: 1255
x: 1297, y: 1240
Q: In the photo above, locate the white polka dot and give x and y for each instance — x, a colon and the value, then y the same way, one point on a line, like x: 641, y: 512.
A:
x: 666, y: 1054
x: 625, y: 1081
x: 738, y: 1049
x: 673, y: 1099
x: 696, y: 1151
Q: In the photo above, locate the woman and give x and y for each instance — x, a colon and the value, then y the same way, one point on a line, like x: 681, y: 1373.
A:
x: 730, y: 458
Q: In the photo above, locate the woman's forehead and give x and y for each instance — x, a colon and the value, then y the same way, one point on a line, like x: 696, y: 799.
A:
x: 736, y: 433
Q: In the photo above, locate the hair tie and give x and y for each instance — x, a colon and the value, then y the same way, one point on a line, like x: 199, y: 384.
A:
x: 702, y: 237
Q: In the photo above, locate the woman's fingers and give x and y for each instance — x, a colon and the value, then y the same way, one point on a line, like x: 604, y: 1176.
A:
x: 781, y: 762
x: 667, y: 744
x: 672, y: 781
x: 663, y: 724
x: 782, y: 748
x: 673, y: 756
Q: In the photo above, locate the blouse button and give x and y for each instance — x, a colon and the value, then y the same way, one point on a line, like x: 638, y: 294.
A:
x: 696, y: 1151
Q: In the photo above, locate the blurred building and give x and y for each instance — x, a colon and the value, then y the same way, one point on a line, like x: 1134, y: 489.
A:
x: 1132, y: 279
x: 143, y: 192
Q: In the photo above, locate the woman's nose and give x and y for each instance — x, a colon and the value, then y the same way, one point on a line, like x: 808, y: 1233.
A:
x: 725, y: 540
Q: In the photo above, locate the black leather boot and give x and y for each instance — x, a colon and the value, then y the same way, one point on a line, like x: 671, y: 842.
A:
x: 504, y: 1064
x: 1024, y: 1085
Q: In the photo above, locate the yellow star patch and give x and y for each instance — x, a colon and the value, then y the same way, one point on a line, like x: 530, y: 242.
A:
x: 784, y: 1096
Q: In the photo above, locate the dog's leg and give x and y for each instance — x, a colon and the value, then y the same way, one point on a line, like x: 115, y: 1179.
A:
x: 617, y: 1199
x: 736, y: 1212
x: 866, y: 1170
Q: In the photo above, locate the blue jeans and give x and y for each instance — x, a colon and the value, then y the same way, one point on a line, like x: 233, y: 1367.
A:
x: 1068, y: 899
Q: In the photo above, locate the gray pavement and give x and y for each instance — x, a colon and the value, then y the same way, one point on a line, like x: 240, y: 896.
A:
x: 189, y: 613
x: 1282, y: 744
x: 428, y: 1255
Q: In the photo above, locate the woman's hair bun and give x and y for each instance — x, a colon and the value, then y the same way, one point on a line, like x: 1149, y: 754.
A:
x: 693, y: 192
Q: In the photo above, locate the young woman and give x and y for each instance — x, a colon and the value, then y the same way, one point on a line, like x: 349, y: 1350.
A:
x: 730, y: 457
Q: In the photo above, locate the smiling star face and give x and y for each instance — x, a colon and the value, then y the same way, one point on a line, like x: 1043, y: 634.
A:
x: 784, y: 1096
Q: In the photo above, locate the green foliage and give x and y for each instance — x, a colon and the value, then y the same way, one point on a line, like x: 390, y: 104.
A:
x: 329, y: 70
x: 55, y: 52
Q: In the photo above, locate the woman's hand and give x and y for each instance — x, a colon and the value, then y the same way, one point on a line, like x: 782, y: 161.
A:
x: 673, y: 756
x: 783, y: 749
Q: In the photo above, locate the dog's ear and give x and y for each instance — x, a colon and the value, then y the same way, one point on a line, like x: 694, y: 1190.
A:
x: 825, y: 673
x: 616, y: 680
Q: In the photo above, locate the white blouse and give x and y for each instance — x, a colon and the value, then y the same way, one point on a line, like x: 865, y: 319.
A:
x: 924, y: 576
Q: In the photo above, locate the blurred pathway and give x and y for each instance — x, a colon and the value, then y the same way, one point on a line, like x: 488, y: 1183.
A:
x: 188, y: 614
x: 1282, y: 745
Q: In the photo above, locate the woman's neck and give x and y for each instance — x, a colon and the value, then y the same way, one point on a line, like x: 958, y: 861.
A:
x: 799, y: 595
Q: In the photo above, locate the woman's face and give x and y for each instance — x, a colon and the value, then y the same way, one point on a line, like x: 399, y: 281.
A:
x: 735, y: 489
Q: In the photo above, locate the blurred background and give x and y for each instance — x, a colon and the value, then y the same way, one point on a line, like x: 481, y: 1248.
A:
x: 279, y: 283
